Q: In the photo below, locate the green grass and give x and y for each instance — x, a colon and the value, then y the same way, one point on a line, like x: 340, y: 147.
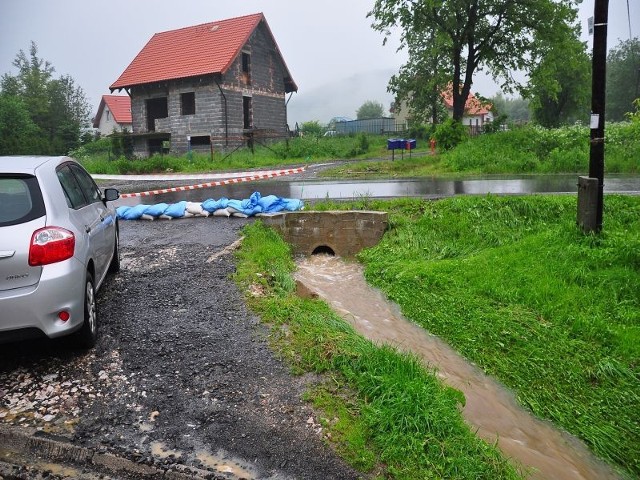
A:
x: 296, y: 151
x: 384, y: 412
x: 523, y: 150
x: 513, y: 285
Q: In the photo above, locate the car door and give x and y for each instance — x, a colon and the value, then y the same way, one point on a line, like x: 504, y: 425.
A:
x: 90, y: 215
x: 104, y: 218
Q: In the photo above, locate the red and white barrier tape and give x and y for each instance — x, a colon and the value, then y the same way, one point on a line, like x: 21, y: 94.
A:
x: 229, y: 181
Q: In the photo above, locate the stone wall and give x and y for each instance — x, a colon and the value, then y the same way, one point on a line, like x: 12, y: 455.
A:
x: 345, y: 233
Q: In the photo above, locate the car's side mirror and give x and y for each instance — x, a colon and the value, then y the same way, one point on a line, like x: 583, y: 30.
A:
x: 111, y: 194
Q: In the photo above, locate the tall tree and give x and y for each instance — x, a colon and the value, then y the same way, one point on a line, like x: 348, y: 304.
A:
x: 57, y: 107
x: 623, y: 79
x: 449, y: 40
x: 560, y: 86
x: 370, y: 109
x: 18, y: 134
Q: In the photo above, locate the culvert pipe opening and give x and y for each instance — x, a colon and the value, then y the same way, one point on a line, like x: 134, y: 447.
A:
x: 323, y: 250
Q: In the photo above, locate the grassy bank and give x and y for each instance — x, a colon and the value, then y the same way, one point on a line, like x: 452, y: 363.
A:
x: 384, y: 413
x: 304, y: 150
x: 511, y: 284
x: 528, y: 149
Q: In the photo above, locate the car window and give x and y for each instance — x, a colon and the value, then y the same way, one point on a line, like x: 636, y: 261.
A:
x: 71, y: 187
x: 89, y: 187
x: 20, y: 199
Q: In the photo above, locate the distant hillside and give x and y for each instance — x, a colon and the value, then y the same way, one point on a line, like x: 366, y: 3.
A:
x: 340, y: 98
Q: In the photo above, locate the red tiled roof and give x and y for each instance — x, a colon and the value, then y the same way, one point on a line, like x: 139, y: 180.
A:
x: 199, y: 50
x: 472, y: 106
x: 119, y: 106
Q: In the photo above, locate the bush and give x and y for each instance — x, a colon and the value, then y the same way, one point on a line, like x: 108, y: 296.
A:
x: 421, y: 131
x: 450, y: 133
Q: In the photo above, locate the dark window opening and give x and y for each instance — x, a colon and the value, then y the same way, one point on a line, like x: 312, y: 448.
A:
x: 246, y: 111
x: 156, y: 108
x: 188, y: 103
x: 200, y: 140
x: 155, y: 146
x: 246, y: 68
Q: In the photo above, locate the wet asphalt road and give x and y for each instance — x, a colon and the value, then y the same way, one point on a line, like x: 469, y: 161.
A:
x: 182, y: 373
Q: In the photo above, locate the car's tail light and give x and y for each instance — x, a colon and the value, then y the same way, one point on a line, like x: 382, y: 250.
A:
x: 51, y: 245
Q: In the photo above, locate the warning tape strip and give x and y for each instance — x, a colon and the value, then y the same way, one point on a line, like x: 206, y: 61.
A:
x: 229, y: 181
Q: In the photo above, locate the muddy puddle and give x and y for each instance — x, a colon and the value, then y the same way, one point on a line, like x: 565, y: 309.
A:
x: 490, y: 409
x: 220, y: 462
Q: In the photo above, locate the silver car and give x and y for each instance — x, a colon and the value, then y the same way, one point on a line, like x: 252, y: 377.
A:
x: 58, y: 241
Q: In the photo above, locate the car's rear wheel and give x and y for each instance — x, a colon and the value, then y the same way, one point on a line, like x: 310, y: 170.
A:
x: 114, y: 266
x: 88, y: 333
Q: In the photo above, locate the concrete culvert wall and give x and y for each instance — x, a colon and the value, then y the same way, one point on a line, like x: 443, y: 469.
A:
x: 343, y: 233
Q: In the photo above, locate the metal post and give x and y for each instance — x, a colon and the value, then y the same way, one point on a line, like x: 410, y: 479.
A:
x: 598, y: 84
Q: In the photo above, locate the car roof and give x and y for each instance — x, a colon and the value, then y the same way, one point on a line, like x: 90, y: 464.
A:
x: 25, y: 164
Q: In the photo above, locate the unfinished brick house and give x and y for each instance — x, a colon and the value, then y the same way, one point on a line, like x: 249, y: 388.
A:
x: 216, y: 85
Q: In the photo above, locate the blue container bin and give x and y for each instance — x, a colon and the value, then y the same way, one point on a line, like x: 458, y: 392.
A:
x: 410, y: 144
x: 395, y: 144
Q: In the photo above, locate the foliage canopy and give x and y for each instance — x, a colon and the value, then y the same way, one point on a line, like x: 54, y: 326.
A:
x: 45, y: 115
x: 449, y: 40
x: 623, y: 79
x: 560, y: 86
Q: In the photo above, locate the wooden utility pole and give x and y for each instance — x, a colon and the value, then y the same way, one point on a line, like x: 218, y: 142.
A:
x: 598, y: 88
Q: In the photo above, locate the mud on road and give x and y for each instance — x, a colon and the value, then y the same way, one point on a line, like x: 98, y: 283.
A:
x: 182, y: 374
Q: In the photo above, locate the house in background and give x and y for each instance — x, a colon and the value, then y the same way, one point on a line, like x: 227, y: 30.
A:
x: 114, y: 114
x: 476, y: 113
x: 215, y: 85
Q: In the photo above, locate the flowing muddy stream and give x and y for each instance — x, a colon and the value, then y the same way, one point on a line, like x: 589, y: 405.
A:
x: 490, y: 408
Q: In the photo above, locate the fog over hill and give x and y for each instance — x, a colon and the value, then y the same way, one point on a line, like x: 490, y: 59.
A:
x: 340, y: 98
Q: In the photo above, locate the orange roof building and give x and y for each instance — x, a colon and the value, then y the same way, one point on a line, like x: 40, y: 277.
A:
x: 114, y: 114
x: 472, y: 107
x: 209, y: 85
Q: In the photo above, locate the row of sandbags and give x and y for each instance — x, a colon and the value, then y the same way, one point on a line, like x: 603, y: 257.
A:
x: 254, y: 205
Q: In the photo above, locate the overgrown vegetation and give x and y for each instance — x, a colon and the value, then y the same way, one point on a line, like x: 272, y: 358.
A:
x: 98, y: 157
x: 528, y: 149
x: 515, y: 287
x: 387, y: 415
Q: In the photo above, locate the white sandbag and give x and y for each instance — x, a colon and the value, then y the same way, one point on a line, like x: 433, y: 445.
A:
x: 221, y: 212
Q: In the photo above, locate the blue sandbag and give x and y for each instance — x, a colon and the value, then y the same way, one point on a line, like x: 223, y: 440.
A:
x: 272, y: 204
x: 156, y: 210
x: 176, y: 210
x: 131, y: 213
x: 247, y: 206
x: 293, y: 204
x: 251, y: 206
x: 211, y: 205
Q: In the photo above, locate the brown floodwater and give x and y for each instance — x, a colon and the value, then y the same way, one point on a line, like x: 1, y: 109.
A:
x: 491, y: 409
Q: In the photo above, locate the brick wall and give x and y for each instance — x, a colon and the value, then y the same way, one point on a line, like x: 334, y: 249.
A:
x: 266, y: 90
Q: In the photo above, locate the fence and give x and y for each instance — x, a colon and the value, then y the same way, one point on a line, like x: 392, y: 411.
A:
x: 377, y: 126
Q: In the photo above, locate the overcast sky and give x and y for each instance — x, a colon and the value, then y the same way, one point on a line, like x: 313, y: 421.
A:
x: 324, y: 43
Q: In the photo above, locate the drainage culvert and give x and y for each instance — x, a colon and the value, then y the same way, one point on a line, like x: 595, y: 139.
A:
x: 342, y: 233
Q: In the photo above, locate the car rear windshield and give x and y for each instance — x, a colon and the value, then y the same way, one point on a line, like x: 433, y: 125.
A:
x: 20, y: 199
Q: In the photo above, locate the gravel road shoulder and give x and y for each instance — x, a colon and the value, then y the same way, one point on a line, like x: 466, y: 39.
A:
x: 182, y: 374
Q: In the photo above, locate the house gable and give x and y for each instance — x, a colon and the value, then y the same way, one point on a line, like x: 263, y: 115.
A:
x: 114, y: 112
x: 209, y: 48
